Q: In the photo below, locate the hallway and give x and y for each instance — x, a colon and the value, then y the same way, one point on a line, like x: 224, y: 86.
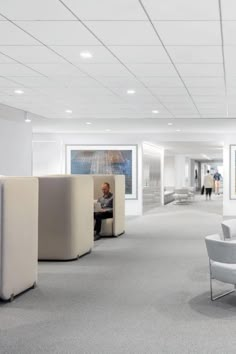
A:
x: 144, y: 292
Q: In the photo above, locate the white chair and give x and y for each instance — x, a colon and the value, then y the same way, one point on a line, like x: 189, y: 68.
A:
x: 181, y: 196
x: 222, y: 262
x: 191, y: 193
x: 229, y: 228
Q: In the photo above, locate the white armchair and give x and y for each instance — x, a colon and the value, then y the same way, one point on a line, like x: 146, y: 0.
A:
x: 229, y: 228
x: 181, y: 195
x: 222, y: 262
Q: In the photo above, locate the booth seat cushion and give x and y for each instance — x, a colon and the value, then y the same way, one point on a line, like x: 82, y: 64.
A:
x: 107, y: 227
x: 224, y: 272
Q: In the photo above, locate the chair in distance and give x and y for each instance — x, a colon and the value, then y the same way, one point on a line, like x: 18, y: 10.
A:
x: 229, y: 229
x: 222, y: 262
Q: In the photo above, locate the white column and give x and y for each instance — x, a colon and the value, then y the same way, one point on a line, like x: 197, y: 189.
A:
x: 180, y: 171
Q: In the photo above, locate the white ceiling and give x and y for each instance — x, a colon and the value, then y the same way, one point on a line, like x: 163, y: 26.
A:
x: 179, y: 57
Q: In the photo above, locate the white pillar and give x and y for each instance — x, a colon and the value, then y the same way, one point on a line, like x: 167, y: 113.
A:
x: 180, y: 171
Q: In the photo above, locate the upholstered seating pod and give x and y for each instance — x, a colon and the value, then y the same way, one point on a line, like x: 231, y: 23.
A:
x: 18, y: 235
x: 65, y: 217
x: 114, y: 226
x: 222, y: 262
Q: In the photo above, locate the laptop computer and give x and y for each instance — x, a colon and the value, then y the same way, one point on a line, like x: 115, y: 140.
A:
x: 97, y: 206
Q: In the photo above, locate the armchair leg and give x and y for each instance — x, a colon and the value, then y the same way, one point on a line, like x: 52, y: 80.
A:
x: 213, y: 298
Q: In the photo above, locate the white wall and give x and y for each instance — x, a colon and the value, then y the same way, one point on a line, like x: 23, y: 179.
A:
x: 49, y: 156
x: 169, y: 171
x: 15, y: 148
x: 229, y: 206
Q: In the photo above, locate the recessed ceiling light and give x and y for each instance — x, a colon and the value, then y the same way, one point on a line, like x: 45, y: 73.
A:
x: 155, y: 111
x: 27, y: 120
x: 108, y: 130
x: 86, y: 55
x: 178, y: 130
x: 170, y: 123
x: 88, y: 123
x: 68, y: 111
x: 19, y: 92
x: 131, y: 92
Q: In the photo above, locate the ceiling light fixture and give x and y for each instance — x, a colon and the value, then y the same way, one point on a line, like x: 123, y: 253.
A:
x: 86, y: 55
x: 88, y: 123
x: 68, y: 111
x: 19, y: 92
x: 170, y: 123
x: 108, y: 130
x: 131, y: 92
x: 155, y: 111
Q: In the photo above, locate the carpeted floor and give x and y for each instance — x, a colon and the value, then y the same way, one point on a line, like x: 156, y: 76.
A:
x: 145, y: 292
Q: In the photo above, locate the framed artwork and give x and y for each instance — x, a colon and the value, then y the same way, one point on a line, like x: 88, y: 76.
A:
x: 232, y: 172
x: 105, y: 159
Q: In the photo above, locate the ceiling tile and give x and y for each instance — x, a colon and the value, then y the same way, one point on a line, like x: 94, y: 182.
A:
x: 195, y: 54
x: 141, y: 54
x: 105, y: 69
x: 124, y: 32
x: 5, y: 59
x: 182, y: 9
x: 204, y: 81
x: 209, y: 99
x: 8, y: 70
x: 31, y: 54
x: 176, y: 99
x: 228, y: 8
x: 230, y: 58
x: 6, y: 83
x: 11, y: 35
x: 231, y: 81
x: 200, y: 69
x: 153, y: 69
x: 229, y: 28
x: 176, y: 91
x: 120, y: 82
x: 36, y: 81
x: 99, y: 54
x: 207, y: 91
x: 162, y: 81
x: 57, y: 69
x: 107, y: 10
x: 75, y: 81
x: 35, y: 10
x: 59, y: 32
x: 189, y: 33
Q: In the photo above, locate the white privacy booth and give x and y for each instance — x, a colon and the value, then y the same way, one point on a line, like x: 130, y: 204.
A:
x: 18, y: 235
x: 65, y: 217
x: 113, y: 226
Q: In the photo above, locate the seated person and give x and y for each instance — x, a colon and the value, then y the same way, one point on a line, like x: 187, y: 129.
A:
x: 106, y: 210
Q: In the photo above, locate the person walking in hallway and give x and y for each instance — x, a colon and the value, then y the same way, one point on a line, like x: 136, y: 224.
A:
x: 217, y: 178
x: 208, y: 184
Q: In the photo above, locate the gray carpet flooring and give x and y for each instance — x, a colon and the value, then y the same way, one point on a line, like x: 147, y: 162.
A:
x: 144, y: 292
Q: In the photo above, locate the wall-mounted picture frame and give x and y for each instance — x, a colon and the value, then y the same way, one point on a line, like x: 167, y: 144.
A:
x: 105, y: 159
x: 232, y: 172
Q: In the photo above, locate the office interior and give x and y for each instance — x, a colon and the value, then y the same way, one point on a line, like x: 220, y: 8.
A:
x: 140, y: 94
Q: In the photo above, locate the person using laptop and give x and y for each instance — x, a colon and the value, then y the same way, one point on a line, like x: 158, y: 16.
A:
x: 106, y: 210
